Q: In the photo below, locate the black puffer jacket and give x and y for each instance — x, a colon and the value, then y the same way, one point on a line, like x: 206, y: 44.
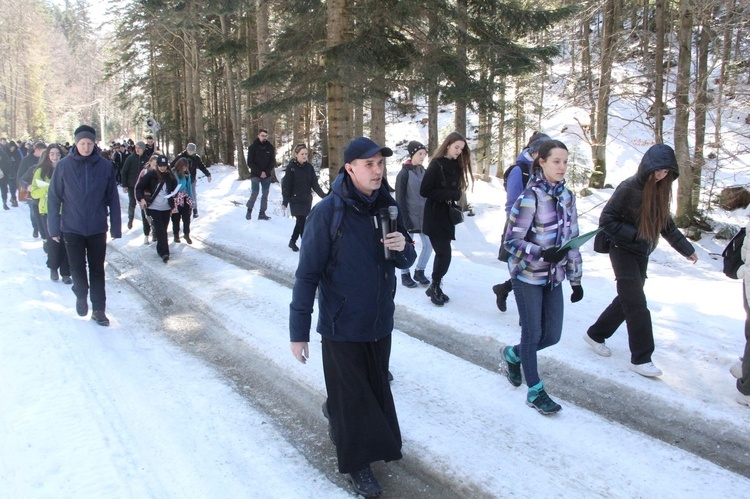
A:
x: 440, y: 185
x: 296, y: 188
x: 132, y: 168
x: 10, y: 161
x: 261, y: 157
x: 621, y: 214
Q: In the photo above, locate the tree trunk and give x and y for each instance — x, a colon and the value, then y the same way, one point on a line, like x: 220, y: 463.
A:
x: 701, y: 103
x: 460, y: 117
x: 659, y: 106
x: 499, y: 173
x: 682, y: 117
x: 337, y: 95
x: 242, y: 169
x: 262, y: 34
x: 726, y: 52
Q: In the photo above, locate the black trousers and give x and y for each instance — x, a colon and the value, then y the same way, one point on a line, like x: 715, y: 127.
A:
x: 34, y: 215
x: 299, y: 227
x: 89, y: 250
x: 442, y: 261
x: 629, y: 306
x: 184, y: 213
x: 360, y: 403
x: 57, y: 256
x: 161, y: 222
x: 8, y: 185
x: 131, y: 204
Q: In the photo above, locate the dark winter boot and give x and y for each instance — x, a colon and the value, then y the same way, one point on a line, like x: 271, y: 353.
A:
x: 434, y: 293
x: 14, y: 202
x: 293, y: 245
x: 365, y: 483
x: 420, y: 278
x: 53, y: 275
x: 443, y: 296
x: 263, y: 216
x: 249, y: 214
x: 187, y: 239
x: 5, y: 206
x: 512, y: 366
x: 501, y: 295
x: 407, y: 281
x: 100, y: 317
x: 539, y: 400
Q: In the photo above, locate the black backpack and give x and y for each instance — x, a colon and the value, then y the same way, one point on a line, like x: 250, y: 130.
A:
x: 524, y: 172
x: 732, y: 255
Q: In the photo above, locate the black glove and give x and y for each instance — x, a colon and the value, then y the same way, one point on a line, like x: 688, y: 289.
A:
x: 553, y: 254
x: 577, y: 293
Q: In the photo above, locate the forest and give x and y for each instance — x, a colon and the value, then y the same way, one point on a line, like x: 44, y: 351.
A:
x: 323, y: 72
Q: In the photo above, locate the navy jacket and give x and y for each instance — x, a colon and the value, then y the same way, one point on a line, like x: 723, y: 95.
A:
x: 355, y: 283
x: 85, y: 188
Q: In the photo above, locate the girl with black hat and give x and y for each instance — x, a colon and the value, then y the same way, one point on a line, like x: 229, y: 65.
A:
x: 159, y: 183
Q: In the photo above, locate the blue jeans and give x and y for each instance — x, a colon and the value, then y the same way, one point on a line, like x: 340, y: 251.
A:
x: 541, y: 311
x: 424, y: 254
x: 256, y: 183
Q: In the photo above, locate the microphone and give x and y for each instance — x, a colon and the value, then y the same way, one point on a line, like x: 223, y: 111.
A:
x: 393, y: 218
x: 384, y: 215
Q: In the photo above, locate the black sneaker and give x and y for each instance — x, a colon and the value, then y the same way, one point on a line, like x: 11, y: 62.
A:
x: 53, y: 275
x: 100, y: 318
x: 407, y: 281
x: 66, y: 279
x: 543, y: 403
x: 249, y: 214
x: 330, y: 426
x: 365, y: 483
x: 501, y: 295
x: 82, y: 307
x: 263, y: 216
x: 187, y: 239
x: 512, y: 367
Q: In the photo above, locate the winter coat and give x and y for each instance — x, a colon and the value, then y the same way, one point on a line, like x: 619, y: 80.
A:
x: 441, y: 185
x: 620, y: 216
x: 150, y: 181
x: 410, y: 201
x: 296, y: 186
x: 27, y: 163
x: 39, y: 191
x: 355, y: 283
x: 195, y: 163
x: 85, y: 187
x: 10, y: 161
x: 261, y: 157
x: 543, y: 216
x: 517, y: 179
x: 131, y: 169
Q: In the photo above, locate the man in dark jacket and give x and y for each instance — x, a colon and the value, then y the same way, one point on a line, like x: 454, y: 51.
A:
x: 134, y: 163
x: 82, y: 193
x: 342, y: 257
x: 261, y: 159
x: 195, y: 163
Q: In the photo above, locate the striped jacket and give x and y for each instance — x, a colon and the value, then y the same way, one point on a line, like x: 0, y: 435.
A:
x: 543, y: 216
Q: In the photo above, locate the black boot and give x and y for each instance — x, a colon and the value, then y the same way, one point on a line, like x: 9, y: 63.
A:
x: 443, y: 296
x: 365, y: 483
x: 420, y: 278
x: 53, y: 275
x: 434, y: 293
x: 501, y: 294
x: 5, y: 206
x: 100, y: 318
x: 293, y: 245
x: 407, y: 281
x: 249, y: 214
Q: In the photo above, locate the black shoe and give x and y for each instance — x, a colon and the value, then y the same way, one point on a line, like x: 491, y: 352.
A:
x: 66, y: 279
x: 330, y: 426
x: 53, y: 275
x: 195, y: 213
x: 420, y: 278
x: 100, y: 318
x: 293, y: 245
x: 165, y: 258
x: 407, y: 281
x: 176, y: 238
x: 442, y: 295
x: 130, y: 224
x: 501, y: 295
x: 187, y: 239
x: 263, y: 216
x: 434, y: 294
x: 82, y: 307
x: 249, y: 214
x: 544, y: 404
x: 390, y: 376
x: 35, y: 234
x: 5, y: 206
x: 512, y: 368
x: 14, y: 203
x: 365, y: 483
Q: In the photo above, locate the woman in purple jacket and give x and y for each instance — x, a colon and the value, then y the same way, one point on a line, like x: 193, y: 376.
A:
x: 542, y: 220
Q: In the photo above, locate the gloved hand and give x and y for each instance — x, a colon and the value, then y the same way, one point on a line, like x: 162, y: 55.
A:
x: 577, y: 293
x: 553, y: 254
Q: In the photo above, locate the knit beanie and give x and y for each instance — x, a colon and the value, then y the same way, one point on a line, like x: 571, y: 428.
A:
x: 413, y: 147
x: 85, y: 132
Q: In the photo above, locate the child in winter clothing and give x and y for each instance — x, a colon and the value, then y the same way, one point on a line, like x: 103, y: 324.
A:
x: 411, y: 204
x: 183, y: 201
x: 542, y: 220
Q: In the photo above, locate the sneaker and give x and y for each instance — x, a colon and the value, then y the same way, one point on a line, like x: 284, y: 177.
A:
x: 82, y: 307
x: 66, y: 279
x: 145, y: 240
x: 743, y: 399
x: 130, y: 224
x: 539, y: 400
x: 365, y: 483
x: 176, y: 238
x: 736, y: 369
x: 293, y: 246
x: 599, y: 348
x: 501, y: 295
x: 165, y: 258
x: 512, y: 366
x: 330, y: 426
x: 53, y: 275
x: 263, y: 216
x: 100, y: 318
x: 249, y: 214
x: 648, y: 370
x: 407, y: 281
x: 420, y: 278
x: 187, y: 239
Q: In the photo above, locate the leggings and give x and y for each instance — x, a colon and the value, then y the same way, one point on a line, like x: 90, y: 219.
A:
x: 442, y: 260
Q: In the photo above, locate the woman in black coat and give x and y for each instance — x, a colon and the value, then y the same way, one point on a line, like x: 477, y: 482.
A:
x: 296, y: 189
x: 159, y: 183
x: 9, y: 163
x: 446, y: 177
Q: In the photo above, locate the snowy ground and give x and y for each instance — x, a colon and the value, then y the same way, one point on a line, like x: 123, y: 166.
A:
x: 132, y: 411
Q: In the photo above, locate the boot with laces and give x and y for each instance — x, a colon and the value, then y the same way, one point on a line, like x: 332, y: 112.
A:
x: 434, y: 293
x: 501, y: 295
x: 365, y: 483
x: 539, y: 400
x: 407, y: 281
x: 420, y: 277
x: 512, y: 366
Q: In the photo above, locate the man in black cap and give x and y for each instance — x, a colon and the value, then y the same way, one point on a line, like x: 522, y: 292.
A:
x: 82, y: 192
x: 343, y: 258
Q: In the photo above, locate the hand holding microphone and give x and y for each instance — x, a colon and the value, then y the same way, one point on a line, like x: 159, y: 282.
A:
x: 393, y: 240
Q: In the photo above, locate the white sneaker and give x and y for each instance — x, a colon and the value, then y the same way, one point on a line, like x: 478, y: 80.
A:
x: 145, y: 239
x: 743, y: 399
x: 599, y: 348
x: 648, y: 369
x: 736, y: 370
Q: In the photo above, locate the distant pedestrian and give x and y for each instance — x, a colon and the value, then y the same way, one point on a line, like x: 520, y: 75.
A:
x: 154, y: 193
x: 296, y: 189
x: 83, y: 192
x: 411, y: 203
x: 131, y: 170
x: 261, y: 159
x: 10, y: 159
x: 633, y: 219
x: 542, y: 220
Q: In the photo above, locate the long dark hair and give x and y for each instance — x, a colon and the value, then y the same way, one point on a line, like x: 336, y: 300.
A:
x: 545, y: 151
x: 464, y: 159
x: 44, y: 162
x: 181, y: 162
x: 657, y: 197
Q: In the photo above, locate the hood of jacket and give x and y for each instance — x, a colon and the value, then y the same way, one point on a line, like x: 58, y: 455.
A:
x: 658, y: 157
